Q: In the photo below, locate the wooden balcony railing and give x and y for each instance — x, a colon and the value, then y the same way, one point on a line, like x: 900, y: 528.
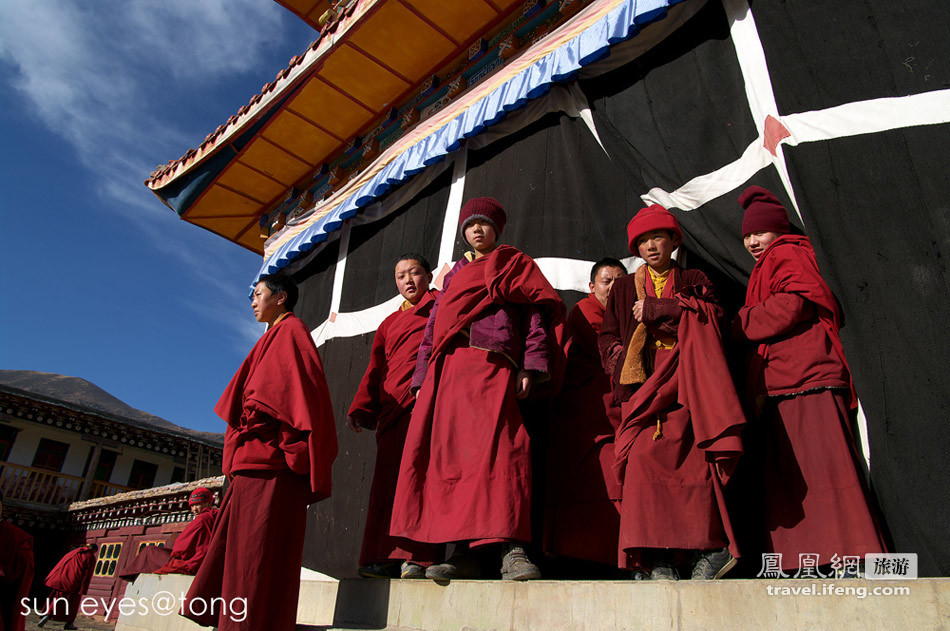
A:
x: 39, y: 486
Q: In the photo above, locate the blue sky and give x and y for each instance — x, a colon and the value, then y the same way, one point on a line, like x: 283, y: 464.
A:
x: 99, y: 279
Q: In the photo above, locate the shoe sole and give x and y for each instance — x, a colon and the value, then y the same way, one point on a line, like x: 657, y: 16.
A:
x: 524, y: 576
x: 725, y: 568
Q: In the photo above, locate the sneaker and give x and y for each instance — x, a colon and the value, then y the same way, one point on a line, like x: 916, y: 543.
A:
x: 42, y: 621
x: 664, y: 571
x: 515, y: 565
x: 459, y: 565
x: 713, y: 564
x: 379, y: 570
x: 639, y: 575
x: 411, y: 570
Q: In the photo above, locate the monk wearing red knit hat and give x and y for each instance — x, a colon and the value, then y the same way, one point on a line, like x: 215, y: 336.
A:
x: 799, y: 382
x: 465, y: 475
x: 681, y: 420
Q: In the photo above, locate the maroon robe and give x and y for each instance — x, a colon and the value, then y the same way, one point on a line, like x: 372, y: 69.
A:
x: 583, y: 495
x: 279, y: 449
x: 68, y: 581
x: 672, y: 491
x: 466, y: 468
x: 191, y: 545
x: 815, y: 499
x: 16, y: 574
x: 384, y: 401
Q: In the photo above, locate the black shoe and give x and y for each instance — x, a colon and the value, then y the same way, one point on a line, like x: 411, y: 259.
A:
x: 459, y: 565
x: 412, y: 570
x: 639, y: 575
x: 664, y: 571
x: 42, y: 621
x: 515, y: 565
x: 69, y: 626
x: 379, y: 570
x: 713, y: 564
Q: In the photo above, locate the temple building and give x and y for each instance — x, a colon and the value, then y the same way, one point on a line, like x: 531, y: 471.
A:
x: 575, y: 114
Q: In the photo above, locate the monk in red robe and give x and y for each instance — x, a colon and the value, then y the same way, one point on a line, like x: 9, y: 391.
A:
x: 801, y: 389
x: 68, y: 581
x: 16, y: 573
x: 681, y: 420
x: 465, y: 475
x: 279, y: 448
x: 583, y: 498
x: 384, y: 402
x: 189, y: 548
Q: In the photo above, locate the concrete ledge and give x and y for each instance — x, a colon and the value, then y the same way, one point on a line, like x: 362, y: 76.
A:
x: 423, y: 605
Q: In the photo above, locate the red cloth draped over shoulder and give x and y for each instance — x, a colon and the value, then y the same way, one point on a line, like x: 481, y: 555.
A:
x: 73, y: 572
x: 191, y: 546
x: 789, y: 266
x: 281, y: 379
x: 384, y: 393
x: 695, y: 375
x: 509, y: 276
x: 16, y: 574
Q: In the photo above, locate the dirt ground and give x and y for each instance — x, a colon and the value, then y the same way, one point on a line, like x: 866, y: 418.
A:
x: 82, y: 622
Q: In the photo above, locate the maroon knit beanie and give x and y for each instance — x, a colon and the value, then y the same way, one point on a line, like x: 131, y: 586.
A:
x: 485, y: 208
x: 648, y: 219
x: 201, y: 495
x: 763, y: 212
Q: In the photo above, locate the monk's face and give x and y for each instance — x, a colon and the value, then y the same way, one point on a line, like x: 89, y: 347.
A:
x: 603, y: 281
x: 412, y: 280
x: 756, y: 242
x: 266, y: 305
x: 481, y: 236
x: 656, y: 248
x: 197, y: 509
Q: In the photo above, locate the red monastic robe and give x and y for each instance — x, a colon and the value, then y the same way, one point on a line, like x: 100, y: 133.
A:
x: 16, y: 574
x: 191, y: 545
x: 672, y: 492
x: 815, y: 499
x: 583, y: 495
x: 384, y: 399
x: 466, y: 468
x: 69, y: 580
x: 279, y: 449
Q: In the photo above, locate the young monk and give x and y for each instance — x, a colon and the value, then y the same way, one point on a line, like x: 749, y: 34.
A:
x: 465, y: 475
x: 279, y: 448
x: 815, y: 501
x: 583, y: 499
x: 68, y: 581
x: 384, y: 403
x: 189, y: 548
x: 679, y: 435
x: 16, y: 573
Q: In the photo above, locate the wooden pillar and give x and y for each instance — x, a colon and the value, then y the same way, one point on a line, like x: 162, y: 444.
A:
x: 90, y: 473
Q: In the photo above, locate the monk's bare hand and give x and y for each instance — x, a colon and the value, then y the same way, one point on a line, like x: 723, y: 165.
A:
x: 522, y: 384
x: 353, y: 424
x: 638, y: 311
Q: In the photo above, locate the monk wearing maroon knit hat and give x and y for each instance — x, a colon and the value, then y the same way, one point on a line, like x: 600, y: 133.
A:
x: 384, y: 403
x: 465, y: 475
x: 679, y: 435
x: 798, y: 379
x: 279, y: 449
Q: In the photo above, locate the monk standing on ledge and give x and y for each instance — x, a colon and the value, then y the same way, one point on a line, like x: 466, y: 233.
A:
x: 278, y: 451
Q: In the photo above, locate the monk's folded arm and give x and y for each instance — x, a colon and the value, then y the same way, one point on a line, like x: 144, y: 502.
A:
x: 776, y: 315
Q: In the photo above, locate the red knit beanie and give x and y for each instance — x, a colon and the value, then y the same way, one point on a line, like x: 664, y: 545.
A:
x: 201, y: 495
x: 763, y: 212
x: 485, y: 208
x: 652, y: 218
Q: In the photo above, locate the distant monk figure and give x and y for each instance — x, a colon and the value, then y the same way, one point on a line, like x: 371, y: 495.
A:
x: 465, y: 475
x: 68, y: 581
x: 801, y: 388
x: 384, y: 403
x: 16, y: 573
x: 583, y: 497
x: 279, y: 448
x: 189, y: 548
